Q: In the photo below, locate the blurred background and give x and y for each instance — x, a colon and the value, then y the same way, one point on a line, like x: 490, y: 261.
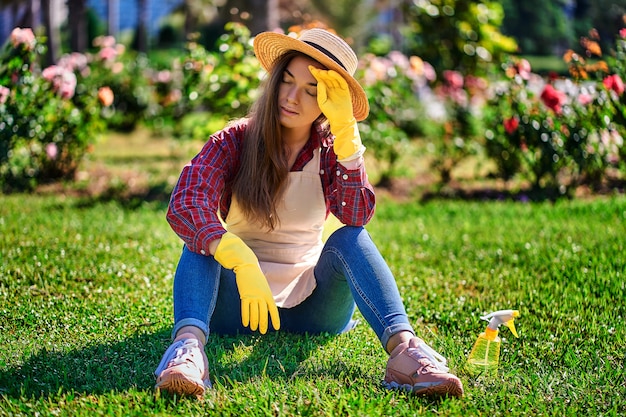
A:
x: 507, y: 95
x: 541, y: 28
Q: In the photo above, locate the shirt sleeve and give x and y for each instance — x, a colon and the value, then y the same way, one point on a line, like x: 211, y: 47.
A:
x: 193, y: 209
x: 349, y: 194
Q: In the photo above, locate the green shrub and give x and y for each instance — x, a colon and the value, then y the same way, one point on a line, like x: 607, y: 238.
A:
x: 460, y: 35
x: 557, y: 134
x: 459, y: 126
x: 48, y: 117
x: 127, y: 73
x: 392, y: 83
x: 220, y: 83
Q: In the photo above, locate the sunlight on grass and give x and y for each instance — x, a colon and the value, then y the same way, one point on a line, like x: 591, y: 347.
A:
x: 85, y: 309
x: 86, y: 313
x: 138, y: 158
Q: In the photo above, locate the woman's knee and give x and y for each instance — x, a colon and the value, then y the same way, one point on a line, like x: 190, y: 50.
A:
x: 346, y: 234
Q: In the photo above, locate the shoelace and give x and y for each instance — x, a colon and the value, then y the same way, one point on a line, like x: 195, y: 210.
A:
x: 176, y: 354
x: 425, y: 351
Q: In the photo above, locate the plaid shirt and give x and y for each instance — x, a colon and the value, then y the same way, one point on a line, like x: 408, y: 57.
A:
x: 202, y: 188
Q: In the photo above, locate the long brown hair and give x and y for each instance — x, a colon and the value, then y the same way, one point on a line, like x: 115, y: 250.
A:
x: 262, y: 177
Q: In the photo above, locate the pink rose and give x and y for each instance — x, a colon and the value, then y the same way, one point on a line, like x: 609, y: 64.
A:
x: 24, y: 37
x: 453, y: 78
x: 74, y: 61
x: 52, y: 151
x: 51, y: 72
x: 622, y: 33
x: 108, y: 53
x: 67, y: 86
x: 104, y: 41
x: 164, y: 76
x: 585, y: 99
x: 4, y: 94
x: 63, y: 80
x: 524, y: 69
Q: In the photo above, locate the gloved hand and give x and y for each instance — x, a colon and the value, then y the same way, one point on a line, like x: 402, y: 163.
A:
x: 335, y: 101
x: 256, y: 297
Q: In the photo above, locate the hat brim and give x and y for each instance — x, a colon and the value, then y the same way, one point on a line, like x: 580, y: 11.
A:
x: 269, y: 46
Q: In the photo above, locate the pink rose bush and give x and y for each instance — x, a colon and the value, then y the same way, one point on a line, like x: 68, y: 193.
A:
x: 455, y: 138
x: 63, y: 80
x: 23, y: 38
x: 396, y: 86
x: 49, y: 116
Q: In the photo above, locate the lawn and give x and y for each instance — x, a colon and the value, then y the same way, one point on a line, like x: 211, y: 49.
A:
x: 85, y: 313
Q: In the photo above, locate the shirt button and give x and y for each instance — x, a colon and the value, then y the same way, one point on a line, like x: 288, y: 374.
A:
x: 343, y: 203
x: 338, y: 173
x: 345, y: 176
x: 202, y: 251
x: 321, y: 171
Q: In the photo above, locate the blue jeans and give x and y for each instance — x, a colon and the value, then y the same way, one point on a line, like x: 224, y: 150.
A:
x: 350, y: 269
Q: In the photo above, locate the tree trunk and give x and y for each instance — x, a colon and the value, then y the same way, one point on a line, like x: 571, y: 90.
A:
x: 142, y: 25
x: 77, y: 20
x: 273, y: 15
x: 34, y: 14
x: 113, y: 17
x: 52, y: 32
x: 189, y: 20
x: 259, y: 10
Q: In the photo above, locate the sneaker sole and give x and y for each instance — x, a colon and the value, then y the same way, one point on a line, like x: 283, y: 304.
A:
x: 450, y: 388
x: 181, y: 385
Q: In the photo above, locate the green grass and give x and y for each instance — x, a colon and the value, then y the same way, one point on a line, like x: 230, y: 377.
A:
x: 85, y: 314
x: 545, y: 64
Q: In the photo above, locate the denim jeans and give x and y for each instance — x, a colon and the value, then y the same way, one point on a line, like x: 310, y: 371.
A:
x: 350, y: 270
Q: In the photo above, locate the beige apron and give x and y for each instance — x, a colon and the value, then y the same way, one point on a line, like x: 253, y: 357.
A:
x: 288, y: 254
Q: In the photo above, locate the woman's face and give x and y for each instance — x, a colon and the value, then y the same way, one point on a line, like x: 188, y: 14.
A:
x: 297, y: 94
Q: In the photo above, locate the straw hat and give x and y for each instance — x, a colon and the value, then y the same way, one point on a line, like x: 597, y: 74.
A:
x: 328, y: 49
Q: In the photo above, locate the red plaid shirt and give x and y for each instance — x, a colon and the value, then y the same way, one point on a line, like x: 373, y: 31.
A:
x: 201, y: 190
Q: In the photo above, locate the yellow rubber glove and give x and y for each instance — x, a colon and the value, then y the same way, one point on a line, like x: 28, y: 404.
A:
x: 335, y: 101
x: 256, y: 297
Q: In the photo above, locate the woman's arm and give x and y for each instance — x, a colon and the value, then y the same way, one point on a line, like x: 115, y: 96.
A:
x: 194, y: 204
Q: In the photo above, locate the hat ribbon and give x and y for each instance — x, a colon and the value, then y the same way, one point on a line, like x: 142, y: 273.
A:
x: 325, y: 52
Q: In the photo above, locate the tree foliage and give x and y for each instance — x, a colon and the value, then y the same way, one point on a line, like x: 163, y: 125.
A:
x: 546, y: 27
x: 457, y: 34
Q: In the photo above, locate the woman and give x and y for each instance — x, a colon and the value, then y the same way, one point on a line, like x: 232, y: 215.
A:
x: 274, y: 177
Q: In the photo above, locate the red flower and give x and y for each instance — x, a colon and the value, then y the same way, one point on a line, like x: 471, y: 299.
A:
x: 553, y: 98
x: 622, y: 33
x: 511, y: 124
x: 615, y: 83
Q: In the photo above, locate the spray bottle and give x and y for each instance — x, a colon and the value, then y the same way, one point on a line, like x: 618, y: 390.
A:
x: 485, y: 355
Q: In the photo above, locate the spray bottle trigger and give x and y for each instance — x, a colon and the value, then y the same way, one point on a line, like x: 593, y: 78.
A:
x: 511, y: 325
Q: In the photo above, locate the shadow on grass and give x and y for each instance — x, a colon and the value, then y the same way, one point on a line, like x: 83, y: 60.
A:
x: 130, y: 363
x: 127, y: 198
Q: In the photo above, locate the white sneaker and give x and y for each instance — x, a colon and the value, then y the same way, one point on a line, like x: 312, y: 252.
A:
x: 183, y: 369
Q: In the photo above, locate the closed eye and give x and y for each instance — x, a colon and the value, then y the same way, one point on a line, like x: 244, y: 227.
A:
x: 288, y: 78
